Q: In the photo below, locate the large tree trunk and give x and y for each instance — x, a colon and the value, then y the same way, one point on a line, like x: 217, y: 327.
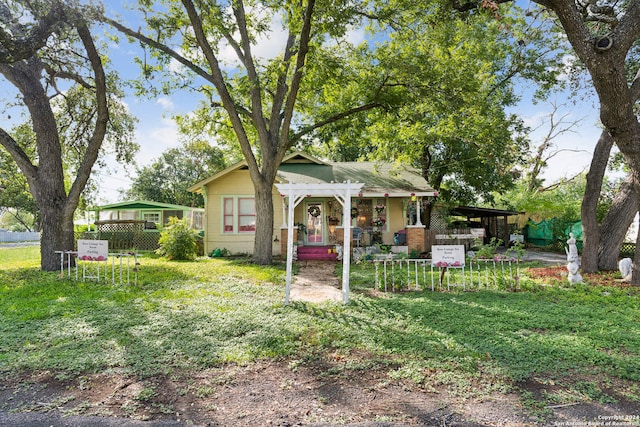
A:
x: 616, y: 224
x: 57, y: 235
x: 590, y: 229
x: 263, y: 246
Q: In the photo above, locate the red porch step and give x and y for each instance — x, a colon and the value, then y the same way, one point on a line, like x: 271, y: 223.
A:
x: 317, y: 253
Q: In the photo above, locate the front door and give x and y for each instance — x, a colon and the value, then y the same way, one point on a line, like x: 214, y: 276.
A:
x: 315, y: 231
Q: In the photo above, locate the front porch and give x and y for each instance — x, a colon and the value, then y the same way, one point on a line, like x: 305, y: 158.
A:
x: 332, y: 252
x: 413, y: 238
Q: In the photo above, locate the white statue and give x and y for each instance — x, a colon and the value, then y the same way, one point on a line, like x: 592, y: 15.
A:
x: 573, y: 261
x: 339, y: 251
x: 626, y: 267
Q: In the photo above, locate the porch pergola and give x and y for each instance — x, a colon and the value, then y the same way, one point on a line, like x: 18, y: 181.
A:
x: 296, y: 193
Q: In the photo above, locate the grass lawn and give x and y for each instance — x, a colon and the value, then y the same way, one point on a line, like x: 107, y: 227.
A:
x: 585, y: 340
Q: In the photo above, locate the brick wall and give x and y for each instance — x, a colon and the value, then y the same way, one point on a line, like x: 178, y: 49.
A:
x: 415, y: 238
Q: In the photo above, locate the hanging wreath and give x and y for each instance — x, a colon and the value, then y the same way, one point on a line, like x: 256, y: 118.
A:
x: 354, y: 212
x: 314, y: 211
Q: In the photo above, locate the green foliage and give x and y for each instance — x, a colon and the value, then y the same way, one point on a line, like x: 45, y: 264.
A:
x: 488, y: 250
x: 562, y: 200
x: 16, y: 220
x: 218, y: 252
x: 15, y: 192
x: 178, y: 240
x: 516, y: 250
x: 442, y: 86
x: 166, y: 179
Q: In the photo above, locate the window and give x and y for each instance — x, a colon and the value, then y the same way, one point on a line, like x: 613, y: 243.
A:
x: 228, y: 215
x: 239, y: 215
x: 151, y: 217
x: 247, y: 215
x: 372, y: 213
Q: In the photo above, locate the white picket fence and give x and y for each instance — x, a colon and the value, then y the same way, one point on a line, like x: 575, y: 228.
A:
x: 19, y: 236
x: 420, y: 274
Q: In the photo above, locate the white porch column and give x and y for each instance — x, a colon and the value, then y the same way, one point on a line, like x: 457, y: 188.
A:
x: 284, y: 211
x: 418, y: 203
x: 292, y: 202
x: 346, y: 248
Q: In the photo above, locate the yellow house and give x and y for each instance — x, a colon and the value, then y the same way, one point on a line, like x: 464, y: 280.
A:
x: 385, y: 211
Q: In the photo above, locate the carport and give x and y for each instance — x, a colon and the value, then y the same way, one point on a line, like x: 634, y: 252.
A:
x: 488, y: 219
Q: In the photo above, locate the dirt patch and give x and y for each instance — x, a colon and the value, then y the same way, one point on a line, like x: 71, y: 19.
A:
x: 320, y: 392
x: 316, y: 282
x: 555, y: 274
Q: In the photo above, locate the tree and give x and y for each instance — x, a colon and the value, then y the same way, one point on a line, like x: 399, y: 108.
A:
x: 166, y: 180
x: 46, y: 46
x: 14, y: 192
x: 616, y: 223
x: 547, y: 148
x: 602, y: 35
x: 452, y: 81
x: 604, y: 234
x: 257, y: 95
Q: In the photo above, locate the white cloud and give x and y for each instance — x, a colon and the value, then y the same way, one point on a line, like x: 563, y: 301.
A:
x: 165, y: 103
x: 355, y: 36
x: 268, y: 45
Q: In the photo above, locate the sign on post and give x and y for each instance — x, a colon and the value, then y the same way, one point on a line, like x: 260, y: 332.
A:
x: 447, y: 255
x: 93, y: 250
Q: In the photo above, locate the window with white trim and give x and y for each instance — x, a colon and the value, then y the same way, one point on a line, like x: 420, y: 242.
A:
x: 151, y: 217
x: 239, y: 215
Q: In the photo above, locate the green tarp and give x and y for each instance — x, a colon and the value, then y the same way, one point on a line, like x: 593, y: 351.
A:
x: 548, y: 231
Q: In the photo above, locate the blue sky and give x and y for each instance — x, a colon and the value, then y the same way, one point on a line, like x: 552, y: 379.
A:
x: 156, y: 131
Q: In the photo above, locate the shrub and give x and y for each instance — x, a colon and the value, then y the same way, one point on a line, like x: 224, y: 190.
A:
x: 178, y: 241
x: 488, y: 251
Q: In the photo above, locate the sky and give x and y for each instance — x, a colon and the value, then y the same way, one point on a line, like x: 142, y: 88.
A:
x: 156, y: 131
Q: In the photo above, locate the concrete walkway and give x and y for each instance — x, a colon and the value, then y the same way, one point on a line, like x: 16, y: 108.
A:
x: 543, y: 257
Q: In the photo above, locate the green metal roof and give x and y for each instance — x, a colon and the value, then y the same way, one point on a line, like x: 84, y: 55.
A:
x: 377, y: 177
x: 143, y: 204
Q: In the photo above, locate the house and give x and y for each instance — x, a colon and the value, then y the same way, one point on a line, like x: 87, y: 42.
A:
x: 386, y: 208
x: 136, y: 224
x: 154, y: 214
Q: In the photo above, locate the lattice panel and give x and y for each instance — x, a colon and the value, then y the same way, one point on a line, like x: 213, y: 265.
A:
x: 121, y: 234
x: 438, y: 222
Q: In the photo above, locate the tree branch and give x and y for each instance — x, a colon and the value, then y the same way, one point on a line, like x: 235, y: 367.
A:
x: 218, y: 81
x: 161, y: 47
x: 308, y: 129
x: 93, y: 149
x: 66, y: 75
x: 14, y: 49
x: 18, y: 154
x: 252, y: 75
x: 627, y: 30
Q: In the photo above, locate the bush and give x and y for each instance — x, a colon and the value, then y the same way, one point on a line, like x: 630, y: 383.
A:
x: 178, y: 241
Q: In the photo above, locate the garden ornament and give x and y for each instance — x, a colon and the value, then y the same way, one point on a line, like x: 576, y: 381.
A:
x: 573, y: 261
x: 625, y: 266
